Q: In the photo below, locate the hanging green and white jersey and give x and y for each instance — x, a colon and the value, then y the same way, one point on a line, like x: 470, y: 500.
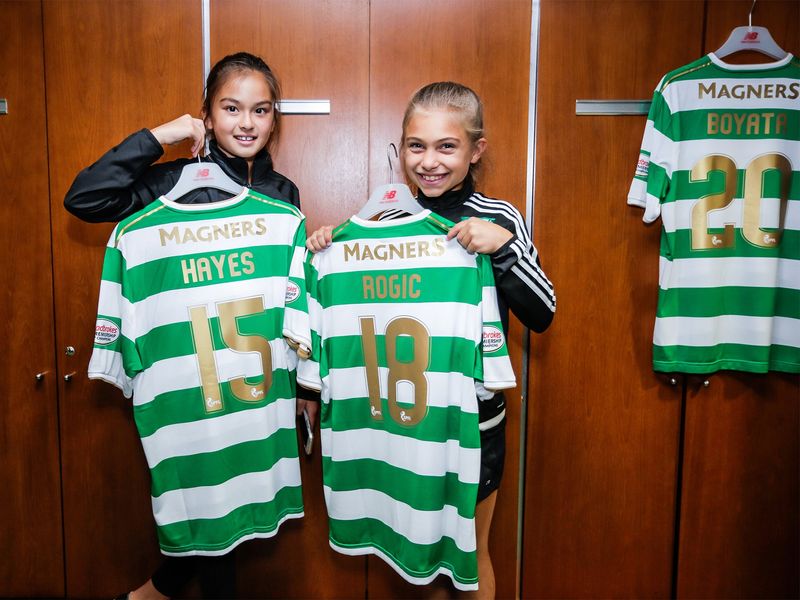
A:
x: 720, y: 164
x: 404, y: 326
x: 198, y: 307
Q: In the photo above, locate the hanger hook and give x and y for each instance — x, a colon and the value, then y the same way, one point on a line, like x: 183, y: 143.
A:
x: 750, y: 16
x: 389, y: 148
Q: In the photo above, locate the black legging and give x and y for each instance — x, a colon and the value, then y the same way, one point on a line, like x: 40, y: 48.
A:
x: 216, y: 575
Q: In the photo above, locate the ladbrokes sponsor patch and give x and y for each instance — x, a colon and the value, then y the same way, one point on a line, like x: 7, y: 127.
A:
x: 105, y: 332
x: 292, y: 292
x: 493, y: 339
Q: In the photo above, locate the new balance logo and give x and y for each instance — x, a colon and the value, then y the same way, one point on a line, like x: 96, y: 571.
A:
x: 750, y: 36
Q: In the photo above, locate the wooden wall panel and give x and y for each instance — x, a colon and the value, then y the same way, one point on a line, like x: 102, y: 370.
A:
x: 30, y: 490
x: 319, y: 51
x: 740, y: 523
x: 111, y: 69
x: 603, y: 428
x: 484, y: 45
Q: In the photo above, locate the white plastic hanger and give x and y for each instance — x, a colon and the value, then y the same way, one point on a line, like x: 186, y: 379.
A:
x: 197, y: 175
x: 751, y: 38
x: 391, y: 196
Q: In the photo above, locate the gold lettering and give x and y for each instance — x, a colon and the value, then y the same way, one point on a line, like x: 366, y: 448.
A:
x: 380, y: 286
x: 236, y: 230
x: 351, y: 251
x: 189, y: 270
x: 188, y: 236
x: 204, y: 234
x: 396, y: 251
x: 412, y: 280
x: 753, y: 124
x: 166, y: 236
x: 781, y: 123
x: 380, y: 252
x: 233, y: 264
x: 368, y: 287
x: 247, y: 228
x: 713, y: 123
x: 221, y: 231
x: 703, y: 90
x: 769, y: 90
x: 248, y: 266
x: 219, y: 263
x: 203, y: 269
x: 739, y: 120
x: 725, y: 123
x: 767, y: 122
x: 439, y: 244
x: 261, y: 226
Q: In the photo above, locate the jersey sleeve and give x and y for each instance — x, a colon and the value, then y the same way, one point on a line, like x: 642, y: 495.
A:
x: 295, y: 321
x: 495, y: 370
x: 308, y: 371
x: 656, y: 162
x: 519, y: 276
x: 115, y: 358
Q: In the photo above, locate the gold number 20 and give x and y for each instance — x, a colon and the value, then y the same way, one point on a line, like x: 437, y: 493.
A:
x: 229, y: 312
x: 753, y: 184
x: 412, y: 371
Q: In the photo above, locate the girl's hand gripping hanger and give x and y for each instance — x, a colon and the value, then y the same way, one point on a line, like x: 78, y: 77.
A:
x: 391, y: 196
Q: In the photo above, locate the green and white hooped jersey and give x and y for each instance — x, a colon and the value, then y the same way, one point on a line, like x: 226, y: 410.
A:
x: 720, y: 164
x: 404, y: 324
x: 196, y: 305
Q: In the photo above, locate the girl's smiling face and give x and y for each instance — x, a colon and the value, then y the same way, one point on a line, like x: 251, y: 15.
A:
x: 437, y: 152
x: 242, y: 115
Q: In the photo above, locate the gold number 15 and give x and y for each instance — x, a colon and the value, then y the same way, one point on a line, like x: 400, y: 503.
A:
x: 229, y: 312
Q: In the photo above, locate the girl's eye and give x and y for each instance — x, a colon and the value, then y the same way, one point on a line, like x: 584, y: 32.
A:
x: 448, y: 146
x: 262, y: 110
x: 414, y: 146
x: 230, y: 109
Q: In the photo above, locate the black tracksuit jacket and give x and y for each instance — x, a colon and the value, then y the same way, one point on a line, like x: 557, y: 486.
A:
x: 522, y: 285
x: 125, y: 180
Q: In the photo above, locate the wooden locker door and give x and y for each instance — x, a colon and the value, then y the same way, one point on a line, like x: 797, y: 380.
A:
x: 486, y: 46
x: 602, y: 452
x: 31, y: 540
x: 740, y: 524
x: 111, y: 69
x: 319, y: 51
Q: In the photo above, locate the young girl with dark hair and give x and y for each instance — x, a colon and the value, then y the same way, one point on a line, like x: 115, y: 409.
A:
x: 239, y: 116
